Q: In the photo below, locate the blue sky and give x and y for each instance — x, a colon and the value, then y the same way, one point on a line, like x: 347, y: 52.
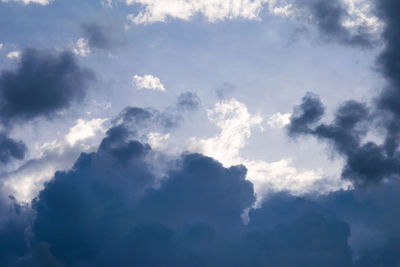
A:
x: 301, y: 94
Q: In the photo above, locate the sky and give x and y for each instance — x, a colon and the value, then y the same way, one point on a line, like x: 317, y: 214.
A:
x: 199, y: 133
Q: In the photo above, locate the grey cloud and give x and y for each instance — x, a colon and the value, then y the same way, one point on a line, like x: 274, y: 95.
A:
x: 11, y: 149
x: 43, y: 83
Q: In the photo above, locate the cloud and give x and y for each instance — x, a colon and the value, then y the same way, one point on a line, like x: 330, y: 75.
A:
x: 335, y: 23
x: 133, y: 123
x: 14, y: 55
x: 367, y: 162
x: 13, y: 222
x: 279, y: 120
x: 112, y: 208
x: 42, y: 84
x: 26, y: 2
x: 25, y: 182
x: 236, y: 124
x: 81, y: 48
x: 351, y: 22
x: 84, y: 129
x: 96, y: 36
x: 112, y: 205
x: 304, y: 115
x: 1, y: 46
x: 10, y: 149
x: 148, y: 82
x: 213, y: 10
x: 188, y: 101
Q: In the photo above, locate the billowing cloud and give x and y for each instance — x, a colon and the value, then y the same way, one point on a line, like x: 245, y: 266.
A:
x: 119, y: 212
x: 148, y: 82
x: 42, y: 84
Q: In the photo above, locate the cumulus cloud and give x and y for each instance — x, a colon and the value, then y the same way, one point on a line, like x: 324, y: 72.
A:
x: 112, y: 205
x: 148, y: 125
x: 121, y: 212
x: 148, y: 82
x: 236, y: 124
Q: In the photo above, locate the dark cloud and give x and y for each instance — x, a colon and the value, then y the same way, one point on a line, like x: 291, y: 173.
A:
x: 109, y: 209
x: 137, y: 122
x: 307, y: 113
x: 10, y: 149
x: 97, y: 35
x: 329, y: 17
x: 188, y: 101
x: 43, y: 84
x: 365, y: 162
x: 13, y: 224
x: 112, y: 209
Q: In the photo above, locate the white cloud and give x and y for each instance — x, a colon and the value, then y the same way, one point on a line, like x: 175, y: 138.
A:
x: 156, y: 140
x: 1, y: 46
x: 82, y: 48
x: 14, y: 55
x: 26, y: 2
x: 361, y: 15
x: 236, y: 123
x: 279, y: 120
x: 281, y: 8
x: 84, y: 129
x: 149, y: 82
x: 214, y: 10
x: 151, y: 11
